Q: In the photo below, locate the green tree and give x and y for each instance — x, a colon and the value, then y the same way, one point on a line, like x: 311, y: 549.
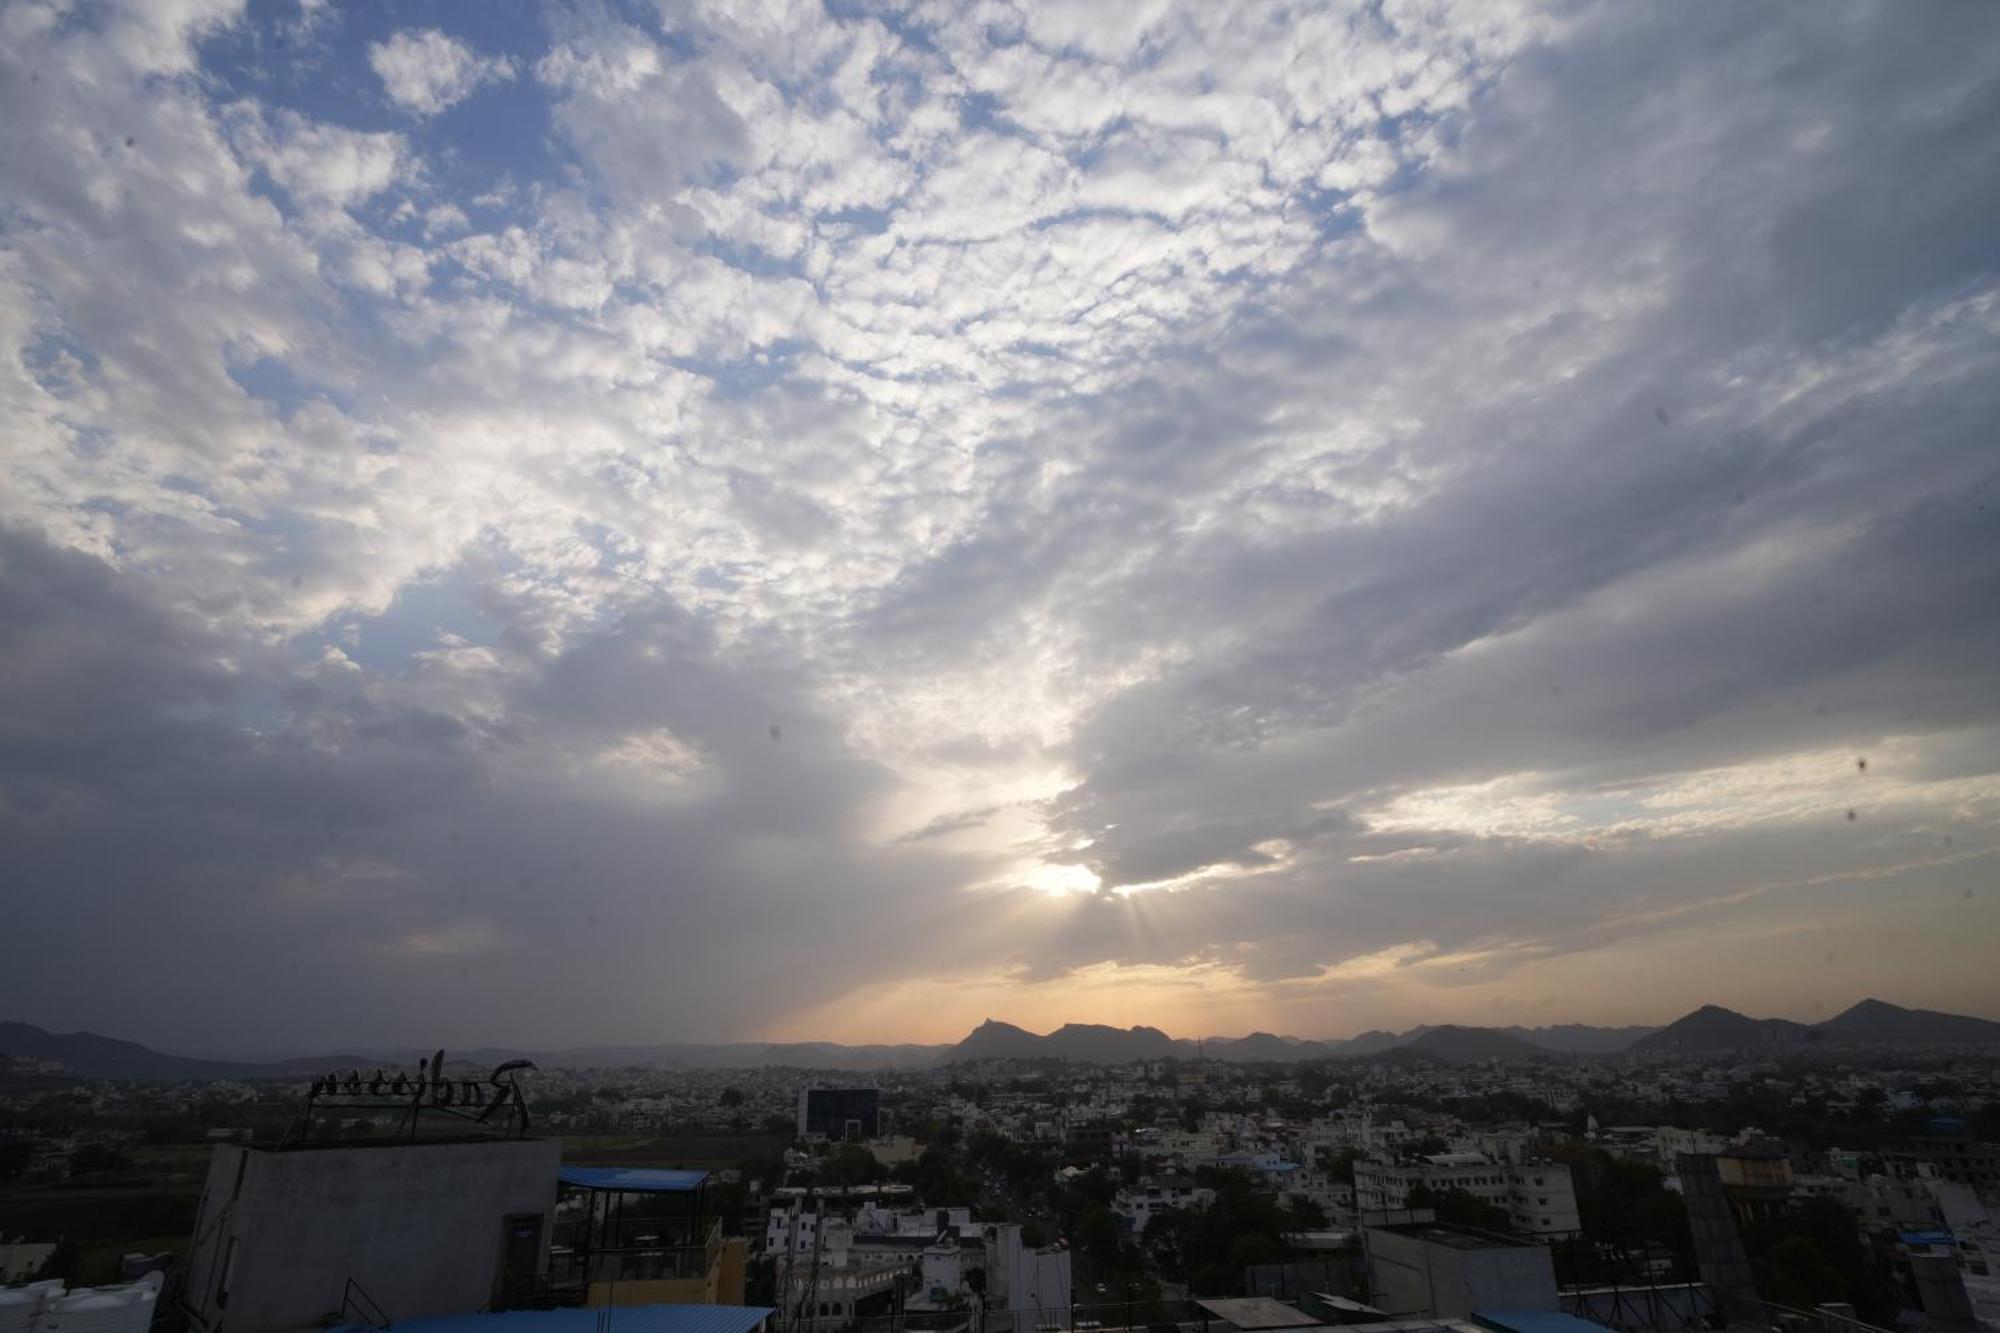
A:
x: 1814, y: 1253
x: 1307, y: 1215
x: 94, y: 1159
x: 14, y: 1159
x: 1794, y: 1272
x: 852, y: 1164
x: 1097, y: 1234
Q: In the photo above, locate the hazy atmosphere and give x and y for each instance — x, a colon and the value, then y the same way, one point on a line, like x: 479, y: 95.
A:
x: 611, y: 523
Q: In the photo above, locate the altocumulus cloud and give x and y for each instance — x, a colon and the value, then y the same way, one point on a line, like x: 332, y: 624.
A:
x: 626, y: 523
x: 424, y: 72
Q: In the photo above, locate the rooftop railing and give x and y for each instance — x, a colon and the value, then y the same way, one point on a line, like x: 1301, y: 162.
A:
x: 640, y: 1258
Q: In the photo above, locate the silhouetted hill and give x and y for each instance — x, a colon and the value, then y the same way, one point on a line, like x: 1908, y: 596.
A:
x: 1458, y: 1045
x: 1368, y: 1043
x: 994, y: 1040
x: 1264, y: 1047
x: 87, y: 1055
x: 1581, y: 1038
x: 1094, y: 1043
x: 1713, y: 1028
x: 1880, y: 1021
x: 1087, y: 1043
x: 1710, y: 1028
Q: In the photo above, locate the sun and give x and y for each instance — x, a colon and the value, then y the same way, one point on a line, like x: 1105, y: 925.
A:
x: 1059, y: 881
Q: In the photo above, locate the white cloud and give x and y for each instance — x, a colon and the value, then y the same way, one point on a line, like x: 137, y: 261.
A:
x: 424, y: 71
x: 322, y: 164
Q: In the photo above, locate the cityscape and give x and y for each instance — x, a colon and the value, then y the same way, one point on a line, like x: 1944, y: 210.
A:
x: 1089, y: 1177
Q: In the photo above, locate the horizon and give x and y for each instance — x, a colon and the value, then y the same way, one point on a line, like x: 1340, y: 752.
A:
x: 831, y: 521
x: 381, y: 1047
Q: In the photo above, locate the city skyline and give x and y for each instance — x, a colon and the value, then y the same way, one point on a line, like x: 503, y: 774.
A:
x: 621, y: 523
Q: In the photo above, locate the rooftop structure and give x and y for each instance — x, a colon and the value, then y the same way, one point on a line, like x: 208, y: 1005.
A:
x: 1251, y: 1313
x: 1436, y: 1269
x: 633, y: 1180
x: 638, y: 1319
x: 640, y: 1236
x: 285, y: 1239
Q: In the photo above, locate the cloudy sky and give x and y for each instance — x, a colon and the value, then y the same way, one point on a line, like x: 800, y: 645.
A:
x: 601, y: 522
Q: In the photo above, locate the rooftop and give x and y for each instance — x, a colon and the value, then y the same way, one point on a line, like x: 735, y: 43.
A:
x: 630, y: 1319
x: 1755, y: 1150
x: 1256, y: 1312
x: 1456, y: 1237
x: 634, y: 1180
x: 1534, y: 1321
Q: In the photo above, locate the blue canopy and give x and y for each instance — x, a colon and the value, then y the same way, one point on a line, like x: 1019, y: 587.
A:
x: 1535, y: 1321
x: 634, y: 1180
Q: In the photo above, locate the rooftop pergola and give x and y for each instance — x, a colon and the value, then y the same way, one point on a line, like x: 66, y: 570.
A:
x: 638, y: 1223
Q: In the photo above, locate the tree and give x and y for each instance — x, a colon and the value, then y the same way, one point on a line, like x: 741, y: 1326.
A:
x: 1209, y: 1247
x: 1625, y: 1203
x: 1165, y: 1239
x: 1097, y: 1234
x: 937, y: 1178
x: 852, y: 1164
x: 1793, y: 1272
x: 732, y: 1097
x: 1814, y: 1253
x: 96, y: 1159
x: 14, y: 1158
x: 1306, y: 1214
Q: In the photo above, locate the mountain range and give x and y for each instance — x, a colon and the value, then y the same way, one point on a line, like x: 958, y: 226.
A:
x: 1709, y: 1029
x: 1877, y: 1022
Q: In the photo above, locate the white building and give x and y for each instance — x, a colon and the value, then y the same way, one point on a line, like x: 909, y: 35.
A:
x: 1030, y: 1285
x: 1138, y: 1204
x: 1539, y: 1198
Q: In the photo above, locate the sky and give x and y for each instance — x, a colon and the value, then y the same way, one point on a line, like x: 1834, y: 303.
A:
x: 536, y: 525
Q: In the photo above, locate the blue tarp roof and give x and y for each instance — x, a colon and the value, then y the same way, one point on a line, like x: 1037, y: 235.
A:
x: 623, y: 1319
x: 637, y: 1180
x: 1532, y: 1321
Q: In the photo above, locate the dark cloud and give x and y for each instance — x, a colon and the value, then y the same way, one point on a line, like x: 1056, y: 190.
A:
x: 1441, y: 521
